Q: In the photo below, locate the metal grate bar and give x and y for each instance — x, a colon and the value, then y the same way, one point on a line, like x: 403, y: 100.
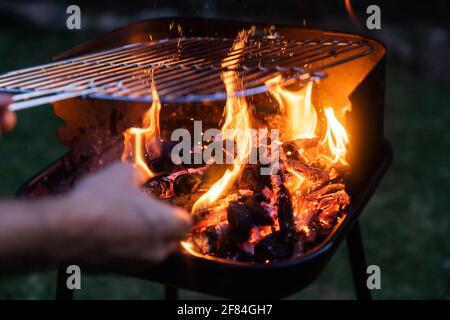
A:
x: 184, y: 69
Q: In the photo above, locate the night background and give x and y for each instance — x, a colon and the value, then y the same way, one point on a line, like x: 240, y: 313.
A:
x: 406, y: 224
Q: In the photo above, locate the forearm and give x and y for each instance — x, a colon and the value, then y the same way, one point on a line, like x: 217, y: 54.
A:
x: 35, y: 234
x: 105, y: 223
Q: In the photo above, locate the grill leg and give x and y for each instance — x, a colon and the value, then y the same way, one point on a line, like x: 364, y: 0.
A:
x: 358, y: 263
x: 62, y: 292
x: 170, y: 293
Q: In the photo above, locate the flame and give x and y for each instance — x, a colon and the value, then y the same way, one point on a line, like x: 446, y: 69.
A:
x: 294, y: 186
x: 351, y: 14
x: 236, y: 125
x: 135, y: 139
x: 189, y: 247
x: 297, y: 108
x: 295, y: 182
x: 336, y: 137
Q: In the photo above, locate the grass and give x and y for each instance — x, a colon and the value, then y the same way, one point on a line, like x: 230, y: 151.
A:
x: 405, y: 226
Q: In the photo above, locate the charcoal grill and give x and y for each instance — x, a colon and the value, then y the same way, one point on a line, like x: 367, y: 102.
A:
x: 102, y: 87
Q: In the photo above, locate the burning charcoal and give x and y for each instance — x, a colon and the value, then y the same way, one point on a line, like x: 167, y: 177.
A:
x: 246, y: 252
x: 266, y: 193
x: 251, y: 178
x: 205, y: 243
x: 237, y: 236
x: 248, y: 178
x: 282, y: 199
x: 330, y: 188
x: 260, y: 216
x: 309, y: 171
x: 211, y: 239
x: 229, y: 247
x: 329, y: 217
x: 316, y: 233
x: 273, y: 247
x: 207, y: 216
x: 239, y: 217
x: 158, y: 187
x: 184, y: 201
x: 340, y: 198
x: 163, y: 162
x: 343, y: 199
x: 245, y: 194
x: 186, y: 183
x: 319, y: 184
x: 286, y: 215
x: 334, y: 175
x: 160, y: 164
x: 179, y: 182
x: 229, y: 242
x: 293, y: 146
x: 308, y: 237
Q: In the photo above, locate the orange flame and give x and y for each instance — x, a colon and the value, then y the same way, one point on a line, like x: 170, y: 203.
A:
x: 351, y: 14
x: 295, y: 182
x: 136, y: 139
x: 294, y: 186
x: 237, y: 123
x: 297, y: 109
x: 336, y: 137
x: 189, y: 247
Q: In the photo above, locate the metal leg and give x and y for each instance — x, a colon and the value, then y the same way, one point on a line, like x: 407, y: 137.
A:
x: 62, y: 292
x: 170, y: 293
x: 358, y: 263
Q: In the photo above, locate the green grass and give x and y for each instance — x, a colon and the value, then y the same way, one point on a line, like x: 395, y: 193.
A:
x: 405, y: 226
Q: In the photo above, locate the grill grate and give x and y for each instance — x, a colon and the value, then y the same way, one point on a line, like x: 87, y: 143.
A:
x: 185, y: 69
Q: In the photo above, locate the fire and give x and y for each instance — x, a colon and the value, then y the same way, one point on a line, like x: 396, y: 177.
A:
x: 147, y: 137
x: 351, y: 13
x: 296, y: 181
x: 336, y: 137
x: 189, y: 247
x: 297, y: 109
x: 237, y: 123
x: 301, y: 119
x: 301, y: 201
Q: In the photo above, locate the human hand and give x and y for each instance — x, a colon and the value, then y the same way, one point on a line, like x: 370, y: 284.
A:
x: 117, y: 224
x: 7, y: 118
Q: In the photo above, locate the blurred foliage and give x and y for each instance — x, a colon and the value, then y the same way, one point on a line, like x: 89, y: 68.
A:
x: 405, y: 226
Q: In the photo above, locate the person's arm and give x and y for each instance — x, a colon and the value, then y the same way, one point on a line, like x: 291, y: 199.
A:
x: 29, y: 233
x: 105, y: 223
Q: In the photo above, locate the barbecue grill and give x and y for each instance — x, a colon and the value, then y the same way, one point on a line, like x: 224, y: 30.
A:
x: 102, y: 87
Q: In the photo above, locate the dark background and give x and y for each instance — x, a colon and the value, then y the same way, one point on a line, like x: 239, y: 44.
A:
x: 405, y: 226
